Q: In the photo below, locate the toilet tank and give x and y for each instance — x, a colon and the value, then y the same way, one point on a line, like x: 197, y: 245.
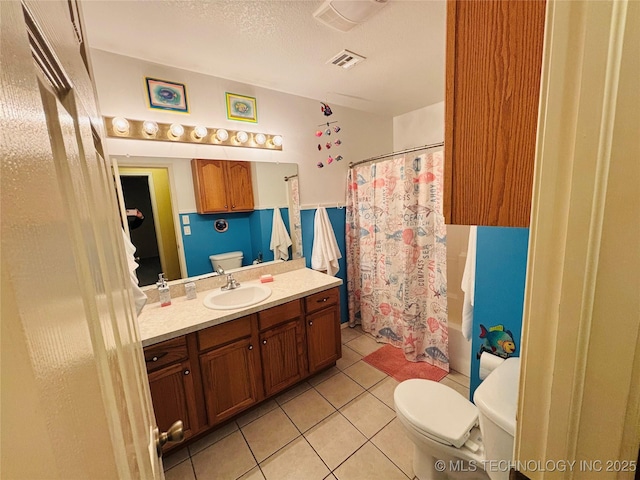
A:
x: 228, y: 261
x: 497, y: 401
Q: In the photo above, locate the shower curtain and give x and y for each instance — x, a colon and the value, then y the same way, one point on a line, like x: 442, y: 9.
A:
x: 396, y: 255
x: 295, y: 225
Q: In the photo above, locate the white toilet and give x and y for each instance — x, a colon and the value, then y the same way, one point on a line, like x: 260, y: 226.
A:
x: 451, y: 432
x: 228, y: 261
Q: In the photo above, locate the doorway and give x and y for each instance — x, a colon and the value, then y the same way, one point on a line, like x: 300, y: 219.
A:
x: 146, y: 189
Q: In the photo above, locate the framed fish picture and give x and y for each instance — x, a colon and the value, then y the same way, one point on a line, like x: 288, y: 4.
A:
x: 241, y: 108
x: 164, y: 95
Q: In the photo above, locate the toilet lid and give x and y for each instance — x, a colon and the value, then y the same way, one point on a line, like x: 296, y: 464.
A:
x: 437, y: 410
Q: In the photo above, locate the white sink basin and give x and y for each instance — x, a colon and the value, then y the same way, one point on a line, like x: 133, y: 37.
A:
x: 243, y: 296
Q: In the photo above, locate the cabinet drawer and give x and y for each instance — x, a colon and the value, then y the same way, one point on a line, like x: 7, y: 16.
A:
x: 165, y: 353
x: 279, y: 314
x: 224, y: 333
x: 321, y: 299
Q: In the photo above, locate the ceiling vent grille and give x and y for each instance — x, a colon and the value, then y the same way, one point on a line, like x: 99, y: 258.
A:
x: 346, y: 59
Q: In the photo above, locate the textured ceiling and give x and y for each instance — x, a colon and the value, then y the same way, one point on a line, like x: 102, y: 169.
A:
x: 279, y: 45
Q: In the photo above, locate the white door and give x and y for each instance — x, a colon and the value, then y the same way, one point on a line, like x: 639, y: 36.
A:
x: 75, y: 397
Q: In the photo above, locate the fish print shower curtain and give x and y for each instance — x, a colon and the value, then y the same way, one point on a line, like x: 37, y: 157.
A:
x: 295, y: 225
x: 396, y: 255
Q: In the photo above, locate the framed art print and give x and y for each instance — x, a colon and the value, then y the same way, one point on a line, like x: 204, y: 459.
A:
x: 241, y: 108
x: 164, y: 95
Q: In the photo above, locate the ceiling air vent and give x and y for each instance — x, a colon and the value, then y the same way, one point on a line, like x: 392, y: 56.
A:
x: 343, y: 15
x: 346, y: 59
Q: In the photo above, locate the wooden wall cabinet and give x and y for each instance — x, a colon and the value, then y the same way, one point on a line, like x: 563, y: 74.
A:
x: 209, y: 376
x: 493, y: 69
x: 222, y: 186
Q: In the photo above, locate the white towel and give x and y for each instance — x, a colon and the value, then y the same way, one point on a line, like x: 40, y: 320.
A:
x: 325, y: 252
x: 469, y: 284
x: 280, y: 240
x: 139, y: 297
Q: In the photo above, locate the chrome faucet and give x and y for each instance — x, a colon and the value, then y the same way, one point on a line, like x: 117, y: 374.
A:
x: 231, y: 283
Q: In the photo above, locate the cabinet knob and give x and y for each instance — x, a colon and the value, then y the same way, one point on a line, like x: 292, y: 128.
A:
x: 250, y: 347
x: 187, y: 372
x: 154, y: 359
x: 322, y: 300
x: 310, y: 324
x: 226, y: 206
x: 264, y: 342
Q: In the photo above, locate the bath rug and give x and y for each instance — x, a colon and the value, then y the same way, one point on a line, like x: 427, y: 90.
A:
x: 391, y: 361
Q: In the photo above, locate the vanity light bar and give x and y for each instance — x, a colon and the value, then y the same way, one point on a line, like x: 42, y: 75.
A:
x: 120, y: 127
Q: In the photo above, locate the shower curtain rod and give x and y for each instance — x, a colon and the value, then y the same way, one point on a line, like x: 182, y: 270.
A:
x: 409, y: 150
x: 286, y: 179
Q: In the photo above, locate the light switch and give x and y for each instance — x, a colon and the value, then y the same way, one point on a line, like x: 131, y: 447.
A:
x: 185, y: 219
x: 187, y: 230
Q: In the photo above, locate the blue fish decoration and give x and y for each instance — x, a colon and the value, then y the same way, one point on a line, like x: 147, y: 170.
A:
x: 387, y: 332
x: 436, y: 354
x: 376, y: 228
x: 397, y: 235
x: 360, y: 180
x: 363, y: 232
x: 166, y: 94
x: 421, y: 231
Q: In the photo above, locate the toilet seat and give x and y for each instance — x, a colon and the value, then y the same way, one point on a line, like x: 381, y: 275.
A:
x: 437, y: 411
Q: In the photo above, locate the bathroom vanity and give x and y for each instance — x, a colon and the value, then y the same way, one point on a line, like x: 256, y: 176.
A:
x: 206, y: 366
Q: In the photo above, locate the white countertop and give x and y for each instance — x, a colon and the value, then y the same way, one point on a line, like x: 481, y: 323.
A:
x: 183, y: 316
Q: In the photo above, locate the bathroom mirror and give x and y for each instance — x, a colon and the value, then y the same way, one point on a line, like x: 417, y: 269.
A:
x: 174, y: 239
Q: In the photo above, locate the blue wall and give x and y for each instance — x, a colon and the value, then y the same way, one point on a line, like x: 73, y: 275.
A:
x: 501, y: 263
x: 248, y: 232
x: 337, y: 218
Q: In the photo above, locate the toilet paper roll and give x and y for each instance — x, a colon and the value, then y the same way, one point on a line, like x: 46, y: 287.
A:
x: 488, y: 363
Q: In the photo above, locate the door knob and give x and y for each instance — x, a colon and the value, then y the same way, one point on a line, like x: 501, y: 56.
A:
x: 174, y: 434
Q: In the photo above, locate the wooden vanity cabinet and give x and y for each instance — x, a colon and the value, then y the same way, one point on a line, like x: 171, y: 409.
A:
x: 222, y: 186
x: 324, y: 346
x: 172, y: 386
x: 493, y: 70
x: 282, y: 346
x: 207, y: 377
x: 230, y: 368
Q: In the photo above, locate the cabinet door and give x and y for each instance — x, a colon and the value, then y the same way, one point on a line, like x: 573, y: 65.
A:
x: 210, y: 187
x: 323, y: 338
x: 229, y: 379
x: 173, y: 397
x: 281, y: 350
x: 239, y: 186
x: 493, y: 68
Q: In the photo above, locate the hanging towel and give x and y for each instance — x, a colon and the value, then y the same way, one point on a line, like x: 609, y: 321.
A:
x: 139, y: 297
x: 469, y: 284
x: 325, y: 252
x: 280, y: 240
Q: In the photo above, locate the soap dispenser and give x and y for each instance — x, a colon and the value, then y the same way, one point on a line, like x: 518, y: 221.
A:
x: 163, y: 291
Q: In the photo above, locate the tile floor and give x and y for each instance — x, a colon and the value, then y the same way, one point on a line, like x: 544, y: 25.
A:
x: 339, y: 424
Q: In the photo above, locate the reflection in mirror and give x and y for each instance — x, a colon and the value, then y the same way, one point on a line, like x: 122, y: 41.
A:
x: 176, y: 240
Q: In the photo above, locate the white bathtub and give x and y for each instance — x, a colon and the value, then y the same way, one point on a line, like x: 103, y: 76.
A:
x: 459, y: 351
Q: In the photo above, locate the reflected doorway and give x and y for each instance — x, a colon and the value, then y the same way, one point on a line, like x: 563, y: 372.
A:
x: 147, y: 190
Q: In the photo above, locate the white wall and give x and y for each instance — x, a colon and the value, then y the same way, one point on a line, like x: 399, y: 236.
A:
x: 121, y: 91
x: 424, y: 127
x: 419, y: 127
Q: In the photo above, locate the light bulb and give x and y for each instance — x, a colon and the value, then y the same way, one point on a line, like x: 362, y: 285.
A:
x: 242, y: 137
x: 277, y: 141
x: 120, y: 124
x: 222, y: 134
x: 150, y: 127
x: 259, y: 138
x: 200, y: 132
x: 176, y: 130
